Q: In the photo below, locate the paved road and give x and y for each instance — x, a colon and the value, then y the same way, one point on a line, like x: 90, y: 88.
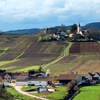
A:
x: 18, y: 89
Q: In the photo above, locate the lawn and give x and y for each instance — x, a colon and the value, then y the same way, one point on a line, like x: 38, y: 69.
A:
x: 17, y: 95
x: 89, y: 93
x: 57, y: 95
x: 29, y: 88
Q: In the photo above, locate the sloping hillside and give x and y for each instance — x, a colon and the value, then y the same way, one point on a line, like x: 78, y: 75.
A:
x: 82, y: 59
x: 25, y: 52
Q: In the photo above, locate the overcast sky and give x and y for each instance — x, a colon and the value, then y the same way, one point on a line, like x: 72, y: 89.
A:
x: 21, y: 14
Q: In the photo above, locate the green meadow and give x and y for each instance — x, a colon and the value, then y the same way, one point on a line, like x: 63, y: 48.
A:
x: 89, y: 93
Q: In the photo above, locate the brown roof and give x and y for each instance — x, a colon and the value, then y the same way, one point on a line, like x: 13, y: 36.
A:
x: 67, y: 76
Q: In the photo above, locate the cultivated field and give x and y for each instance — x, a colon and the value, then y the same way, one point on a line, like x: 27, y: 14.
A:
x: 76, y: 63
x: 85, y: 47
x: 83, y: 58
x: 24, y: 51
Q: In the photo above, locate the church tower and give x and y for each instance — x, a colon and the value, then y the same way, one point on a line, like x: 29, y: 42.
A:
x: 78, y: 28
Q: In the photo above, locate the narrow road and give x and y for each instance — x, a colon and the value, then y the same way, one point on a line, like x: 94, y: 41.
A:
x: 18, y: 89
x: 65, y: 53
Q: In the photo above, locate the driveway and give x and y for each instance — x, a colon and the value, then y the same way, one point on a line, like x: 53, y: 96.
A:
x: 19, y: 89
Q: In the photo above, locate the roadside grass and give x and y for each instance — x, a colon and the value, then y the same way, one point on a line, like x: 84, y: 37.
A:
x: 17, y: 95
x: 57, y: 95
x: 28, y: 68
x: 89, y: 93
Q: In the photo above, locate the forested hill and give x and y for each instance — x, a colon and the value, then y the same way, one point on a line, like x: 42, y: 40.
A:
x: 25, y: 31
x: 90, y: 26
x: 95, y: 25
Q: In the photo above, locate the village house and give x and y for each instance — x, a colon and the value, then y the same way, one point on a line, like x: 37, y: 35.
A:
x: 5, y: 78
x: 89, y: 76
x: 65, y: 78
x: 97, y: 76
x: 59, y: 35
x: 92, y: 78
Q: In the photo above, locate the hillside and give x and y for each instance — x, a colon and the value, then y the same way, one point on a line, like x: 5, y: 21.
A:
x: 81, y: 59
x: 24, y: 51
x: 95, y: 25
x: 90, y: 26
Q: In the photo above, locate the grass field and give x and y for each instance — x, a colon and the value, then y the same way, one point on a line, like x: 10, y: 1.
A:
x: 89, y: 93
x: 58, y: 95
x: 17, y: 95
x: 29, y: 88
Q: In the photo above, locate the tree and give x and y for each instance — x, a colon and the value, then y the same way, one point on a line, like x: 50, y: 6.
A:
x: 74, y: 28
x: 40, y: 69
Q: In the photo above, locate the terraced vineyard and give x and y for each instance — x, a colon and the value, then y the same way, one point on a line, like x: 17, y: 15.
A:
x: 85, y: 47
x: 25, y: 52
x: 83, y: 58
x: 22, y: 52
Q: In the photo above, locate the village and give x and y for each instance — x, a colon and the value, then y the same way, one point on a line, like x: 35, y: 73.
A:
x: 75, y: 33
x: 45, y: 81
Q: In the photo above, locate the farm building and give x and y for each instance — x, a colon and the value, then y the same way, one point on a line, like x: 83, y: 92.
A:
x: 65, y: 78
x: 22, y: 82
x: 38, y: 81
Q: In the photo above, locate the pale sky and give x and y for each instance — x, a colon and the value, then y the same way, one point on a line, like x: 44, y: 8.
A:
x: 21, y: 14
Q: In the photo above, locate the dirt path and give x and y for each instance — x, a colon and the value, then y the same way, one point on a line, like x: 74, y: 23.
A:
x: 65, y: 53
x: 18, y: 89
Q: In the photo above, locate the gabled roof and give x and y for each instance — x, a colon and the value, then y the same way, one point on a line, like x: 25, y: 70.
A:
x: 91, y: 74
x: 70, y: 76
x: 5, y: 73
x: 97, y: 73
